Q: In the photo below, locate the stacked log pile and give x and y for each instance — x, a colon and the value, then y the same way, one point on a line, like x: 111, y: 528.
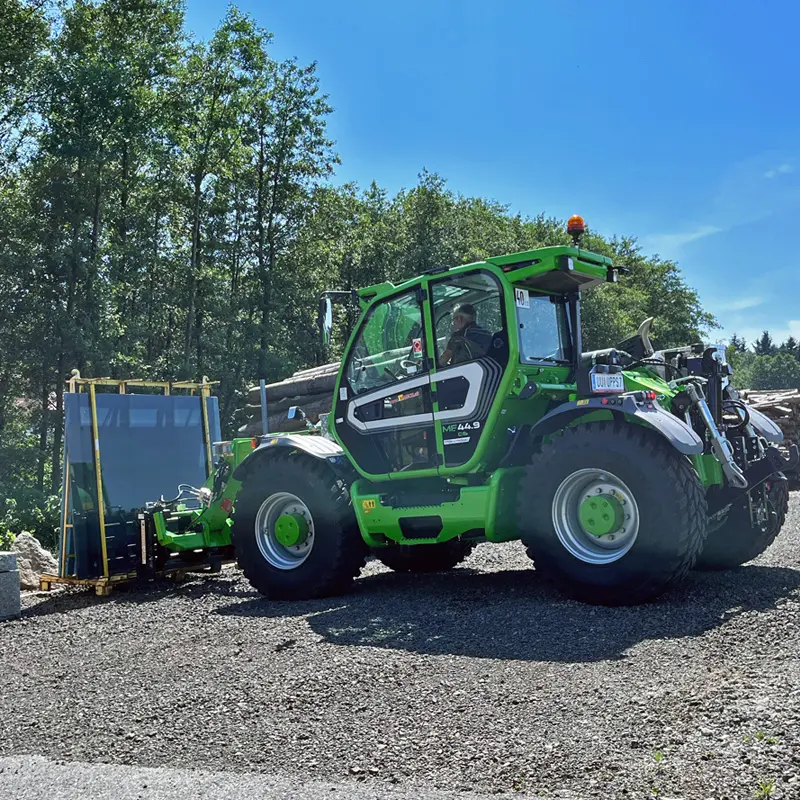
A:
x: 311, y: 389
x: 783, y: 407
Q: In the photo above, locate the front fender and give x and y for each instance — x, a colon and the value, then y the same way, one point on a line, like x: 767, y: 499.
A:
x: 315, y: 446
x: 680, y: 435
x: 765, y: 426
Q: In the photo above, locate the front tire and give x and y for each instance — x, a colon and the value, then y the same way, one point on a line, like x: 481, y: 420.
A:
x: 294, y: 530
x: 611, y: 513
x: 737, y: 541
x: 424, y: 557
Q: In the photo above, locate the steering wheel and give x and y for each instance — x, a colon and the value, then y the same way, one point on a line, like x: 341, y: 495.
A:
x: 404, y: 363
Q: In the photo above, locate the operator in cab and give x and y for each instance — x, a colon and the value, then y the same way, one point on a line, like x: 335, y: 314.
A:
x: 468, y: 340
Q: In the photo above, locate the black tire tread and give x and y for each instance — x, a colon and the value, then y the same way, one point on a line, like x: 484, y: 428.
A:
x: 348, y: 549
x: 689, y: 511
x: 736, y: 542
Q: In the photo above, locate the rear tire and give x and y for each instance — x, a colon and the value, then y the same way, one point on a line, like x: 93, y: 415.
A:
x: 737, y: 541
x: 656, y: 503
x: 424, y: 557
x: 332, y: 553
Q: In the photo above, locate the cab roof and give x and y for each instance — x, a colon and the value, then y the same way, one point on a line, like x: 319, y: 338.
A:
x: 551, y: 270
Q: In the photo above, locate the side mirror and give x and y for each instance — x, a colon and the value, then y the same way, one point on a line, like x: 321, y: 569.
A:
x: 326, y: 320
x: 292, y: 412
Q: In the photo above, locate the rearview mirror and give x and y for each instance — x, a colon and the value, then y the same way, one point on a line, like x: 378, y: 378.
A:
x: 292, y: 412
x: 326, y: 320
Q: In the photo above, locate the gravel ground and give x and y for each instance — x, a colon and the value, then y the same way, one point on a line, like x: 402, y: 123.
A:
x: 482, y: 680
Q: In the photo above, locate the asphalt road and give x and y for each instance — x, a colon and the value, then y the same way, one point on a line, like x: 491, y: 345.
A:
x: 34, y: 777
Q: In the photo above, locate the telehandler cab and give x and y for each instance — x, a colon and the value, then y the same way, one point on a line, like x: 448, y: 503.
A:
x: 465, y: 411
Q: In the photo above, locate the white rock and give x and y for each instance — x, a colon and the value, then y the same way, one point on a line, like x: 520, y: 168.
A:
x: 28, y: 577
x: 39, y: 559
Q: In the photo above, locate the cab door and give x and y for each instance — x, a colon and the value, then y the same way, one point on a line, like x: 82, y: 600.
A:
x: 383, y: 413
x: 470, y: 360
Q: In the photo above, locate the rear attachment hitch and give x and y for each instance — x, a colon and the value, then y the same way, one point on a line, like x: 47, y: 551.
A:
x: 719, y: 444
x: 762, y: 470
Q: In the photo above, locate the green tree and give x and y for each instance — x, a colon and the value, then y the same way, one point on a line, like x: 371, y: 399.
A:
x: 289, y: 154
x: 738, y: 344
x: 781, y: 371
x: 210, y: 96
x: 789, y: 346
x: 23, y: 33
x: 764, y: 346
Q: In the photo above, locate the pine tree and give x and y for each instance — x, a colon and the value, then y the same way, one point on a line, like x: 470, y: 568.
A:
x: 764, y: 346
x: 738, y: 343
x: 789, y: 346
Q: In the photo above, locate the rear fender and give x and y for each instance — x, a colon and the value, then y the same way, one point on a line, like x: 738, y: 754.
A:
x: 674, y: 430
x: 317, y: 447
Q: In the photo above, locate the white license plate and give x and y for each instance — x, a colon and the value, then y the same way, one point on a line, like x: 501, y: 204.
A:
x: 607, y: 382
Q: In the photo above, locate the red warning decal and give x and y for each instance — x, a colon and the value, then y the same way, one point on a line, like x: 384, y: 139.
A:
x: 417, y: 345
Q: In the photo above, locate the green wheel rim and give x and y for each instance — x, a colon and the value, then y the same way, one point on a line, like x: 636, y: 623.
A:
x: 284, y: 530
x: 595, y: 516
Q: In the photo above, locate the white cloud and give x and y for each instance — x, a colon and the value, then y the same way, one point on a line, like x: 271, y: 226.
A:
x: 742, y: 303
x: 742, y: 197
x: 669, y: 243
x: 782, y: 169
x: 751, y: 334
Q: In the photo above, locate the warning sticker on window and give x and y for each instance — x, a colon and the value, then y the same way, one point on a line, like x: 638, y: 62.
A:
x: 417, y: 347
x: 522, y: 298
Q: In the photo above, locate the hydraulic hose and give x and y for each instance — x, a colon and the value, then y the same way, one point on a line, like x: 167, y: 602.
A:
x: 745, y: 412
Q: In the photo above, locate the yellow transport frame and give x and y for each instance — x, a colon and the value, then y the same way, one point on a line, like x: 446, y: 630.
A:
x: 76, y: 384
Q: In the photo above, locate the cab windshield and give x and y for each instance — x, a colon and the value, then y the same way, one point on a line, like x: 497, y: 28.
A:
x: 543, y: 327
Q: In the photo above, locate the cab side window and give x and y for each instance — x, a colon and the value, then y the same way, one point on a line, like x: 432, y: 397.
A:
x: 389, y: 347
x: 469, y: 320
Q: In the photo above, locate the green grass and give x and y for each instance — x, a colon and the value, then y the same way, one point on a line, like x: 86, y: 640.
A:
x: 765, y: 790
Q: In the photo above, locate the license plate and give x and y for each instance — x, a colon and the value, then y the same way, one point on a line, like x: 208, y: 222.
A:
x: 607, y: 382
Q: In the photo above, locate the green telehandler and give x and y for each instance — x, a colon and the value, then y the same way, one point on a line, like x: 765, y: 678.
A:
x: 466, y: 411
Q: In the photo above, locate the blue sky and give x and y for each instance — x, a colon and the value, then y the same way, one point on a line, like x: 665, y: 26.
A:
x: 675, y: 122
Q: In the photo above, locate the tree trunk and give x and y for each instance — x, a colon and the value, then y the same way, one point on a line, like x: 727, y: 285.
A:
x: 44, y: 424
x: 58, y: 429
x: 92, y: 279
x: 194, y: 260
x: 267, y: 261
x: 262, y: 267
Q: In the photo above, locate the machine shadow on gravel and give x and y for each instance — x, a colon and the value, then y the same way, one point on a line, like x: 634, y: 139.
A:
x: 194, y: 588
x: 515, y: 615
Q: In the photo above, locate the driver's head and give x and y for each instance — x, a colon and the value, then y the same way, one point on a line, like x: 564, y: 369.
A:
x: 463, y: 315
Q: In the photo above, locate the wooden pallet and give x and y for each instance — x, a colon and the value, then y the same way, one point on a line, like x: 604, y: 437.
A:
x: 104, y: 586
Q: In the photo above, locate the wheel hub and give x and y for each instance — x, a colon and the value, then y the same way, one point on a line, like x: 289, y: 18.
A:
x: 284, y: 530
x: 601, y: 514
x: 595, y: 516
x: 291, y: 529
